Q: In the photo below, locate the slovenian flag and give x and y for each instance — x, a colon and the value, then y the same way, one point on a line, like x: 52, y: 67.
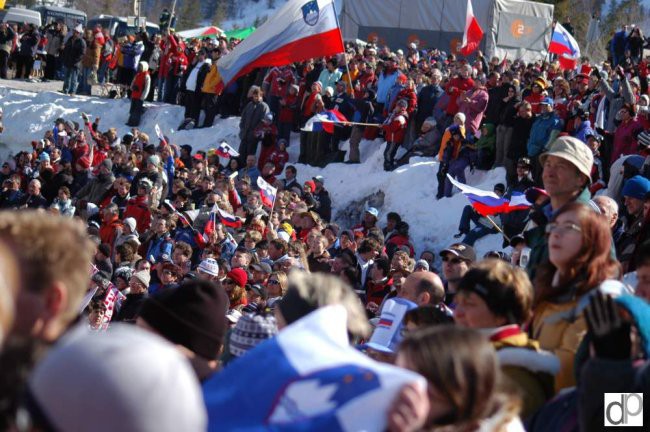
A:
x: 113, y: 302
x: 488, y: 203
x: 228, y: 219
x: 267, y: 192
x: 300, y: 30
x: 324, y: 121
x: 565, y: 46
x: 226, y: 151
x: 319, y: 382
x: 473, y: 32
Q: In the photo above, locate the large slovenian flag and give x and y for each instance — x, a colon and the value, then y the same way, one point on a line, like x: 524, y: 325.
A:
x: 488, y: 203
x: 267, y: 192
x: 565, y: 46
x: 319, y: 382
x: 325, y: 121
x: 300, y: 30
x: 473, y: 32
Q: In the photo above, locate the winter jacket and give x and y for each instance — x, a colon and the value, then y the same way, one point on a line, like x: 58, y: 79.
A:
x: 625, y: 142
x: 212, y: 80
x: 474, y: 109
x: 54, y: 43
x: 559, y: 326
x: 453, y: 89
x: 141, y: 85
x: 376, y: 291
x: 616, y: 100
x: 446, y: 140
x: 138, y: 208
x: 28, y: 43
x: 583, y: 130
x: 108, y: 232
x: 92, y: 54
x: 158, y: 246
x: 520, y: 133
x: 131, y: 53
x: 94, y: 190
x: 395, y: 127
x: 251, y: 117
x: 525, y: 365
x: 545, y: 129
x: 73, y: 52
x: 130, y: 309
x: 65, y: 208
x: 7, y: 40
x: 427, y: 99
x: 329, y: 79
x: 384, y: 84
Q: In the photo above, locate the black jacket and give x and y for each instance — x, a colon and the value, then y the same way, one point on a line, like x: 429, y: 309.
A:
x: 73, y: 52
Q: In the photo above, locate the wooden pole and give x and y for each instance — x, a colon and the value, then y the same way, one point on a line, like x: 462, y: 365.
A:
x: 498, y: 228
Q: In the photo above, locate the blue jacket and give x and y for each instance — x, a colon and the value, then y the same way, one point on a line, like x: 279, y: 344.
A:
x: 131, y: 53
x: 541, y: 131
x: 584, y: 130
x: 159, y: 246
x: 253, y: 173
x: 384, y: 84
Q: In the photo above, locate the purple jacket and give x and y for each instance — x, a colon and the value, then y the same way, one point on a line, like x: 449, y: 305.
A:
x: 474, y: 109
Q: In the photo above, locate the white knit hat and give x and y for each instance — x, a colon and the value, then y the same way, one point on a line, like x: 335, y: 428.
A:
x: 209, y: 266
x: 118, y: 381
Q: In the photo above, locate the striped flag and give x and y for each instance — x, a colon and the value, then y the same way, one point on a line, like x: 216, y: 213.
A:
x: 300, y: 30
x: 113, y: 302
x: 228, y: 219
x: 473, y: 32
x: 267, y: 192
x: 324, y: 121
x: 319, y: 382
x: 226, y: 151
x: 488, y: 203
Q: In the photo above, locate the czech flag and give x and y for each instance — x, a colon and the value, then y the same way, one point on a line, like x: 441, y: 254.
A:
x: 226, y: 151
x: 488, y: 203
x: 319, y: 382
x: 300, y: 30
x: 324, y: 121
x: 565, y: 46
x: 473, y: 32
x: 267, y: 192
x: 229, y: 220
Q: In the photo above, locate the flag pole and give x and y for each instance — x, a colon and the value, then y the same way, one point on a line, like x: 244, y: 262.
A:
x: 546, y: 57
x: 345, y: 56
x: 498, y: 228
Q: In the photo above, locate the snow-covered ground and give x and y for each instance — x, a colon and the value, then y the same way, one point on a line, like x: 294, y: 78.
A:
x: 410, y: 190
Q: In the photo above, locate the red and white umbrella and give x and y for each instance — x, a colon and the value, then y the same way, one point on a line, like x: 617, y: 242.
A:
x: 201, y: 33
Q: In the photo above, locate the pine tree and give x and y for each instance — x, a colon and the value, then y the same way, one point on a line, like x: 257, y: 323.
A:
x: 220, y: 13
x: 189, y: 15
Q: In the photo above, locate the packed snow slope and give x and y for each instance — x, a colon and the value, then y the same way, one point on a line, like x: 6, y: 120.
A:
x: 410, y: 190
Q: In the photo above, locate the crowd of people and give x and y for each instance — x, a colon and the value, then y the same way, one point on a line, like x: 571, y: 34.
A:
x: 132, y: 256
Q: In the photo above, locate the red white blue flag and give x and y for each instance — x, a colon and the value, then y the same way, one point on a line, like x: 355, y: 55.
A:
x: 300, y: 30
x: 226, y: 151
x: 565, y: 46
x: 228, y: 219
x: 324, y: 121
x: 267, y: 192
x: 488, y: 203
x: 473, y: 32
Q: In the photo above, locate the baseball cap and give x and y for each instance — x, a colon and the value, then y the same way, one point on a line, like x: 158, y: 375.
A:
x: 258, y: 289
x: 263, y: 267
x: 461, y: 250
x: 319, y: 179
x: 388, y: 332
x: 547, y: 101
x: 373, y: 211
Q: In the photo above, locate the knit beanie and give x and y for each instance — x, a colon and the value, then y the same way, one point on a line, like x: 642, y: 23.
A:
x: 239, y: 276
x: 108, y: 164
x: 143, y: 276
x: 250, y: 331
x: 193, y: 315
x: 636, y: 187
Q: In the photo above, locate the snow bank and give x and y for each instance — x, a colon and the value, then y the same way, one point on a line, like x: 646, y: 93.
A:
x: 410, y: 190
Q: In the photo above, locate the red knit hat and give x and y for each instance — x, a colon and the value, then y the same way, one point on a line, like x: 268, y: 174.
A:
x: 311, y: 184
x: 239, y: 276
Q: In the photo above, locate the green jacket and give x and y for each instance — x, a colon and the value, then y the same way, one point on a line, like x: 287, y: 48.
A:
x: 536, y: 236
x: 488, y: 141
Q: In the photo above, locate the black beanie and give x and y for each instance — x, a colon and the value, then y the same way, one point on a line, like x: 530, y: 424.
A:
x: 192, y: 315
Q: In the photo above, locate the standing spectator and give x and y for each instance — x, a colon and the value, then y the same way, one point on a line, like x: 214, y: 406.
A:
x: 131, y: 53
x: 28, y: 45
x: 140, y: 88
x: 53, y: 49
x: 473, y: 104
x: 89, y: 63
x: 625, y: 142
x: 193, y: 84
x: 7, y: 37
x: 546, y: 127
x: 209, y: 90
x: 73, y: 52
x: 252, y: 115
x: 330, y: 75
x: 106, y: 57
x: 177, y: 64
x: 395, y: 131
x: 456, y: 87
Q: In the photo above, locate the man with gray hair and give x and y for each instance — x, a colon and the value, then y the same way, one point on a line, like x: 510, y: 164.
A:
x: 609, y: 208
x: 33, y: 199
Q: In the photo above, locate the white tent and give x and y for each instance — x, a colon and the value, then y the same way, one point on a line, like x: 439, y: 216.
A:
x: 518, y: 29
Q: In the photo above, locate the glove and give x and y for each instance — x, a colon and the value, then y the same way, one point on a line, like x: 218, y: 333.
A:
x: 610, y: 335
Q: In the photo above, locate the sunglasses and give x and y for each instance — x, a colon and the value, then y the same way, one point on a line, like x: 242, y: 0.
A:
x: 273, y: 282
x: 228, y: 282
x: 452, y: 260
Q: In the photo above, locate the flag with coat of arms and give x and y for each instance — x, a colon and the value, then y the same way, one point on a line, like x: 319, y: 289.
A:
x: 307, y: 378
x: 267, y: 192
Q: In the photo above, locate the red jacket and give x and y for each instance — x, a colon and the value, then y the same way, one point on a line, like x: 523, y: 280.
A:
x: 376, y: 291
x: 138, y: 208
x: 108, y: 231
x: 408, y: 95
x: 279, y: 159
x: 454, y: 89
x: 395, y: 127
x: 288, y: 110
x: 139, y: 84
x: 177, y: 64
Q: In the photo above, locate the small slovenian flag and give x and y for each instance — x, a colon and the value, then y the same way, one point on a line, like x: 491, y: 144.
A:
x: 228, y: 219
x: 226, y: 151
x: 159, y: 134
x: 324, y: 121
x: 385, y: 322
x: 267, y: 192
x: 212, y: 221
x: 488, y: 203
